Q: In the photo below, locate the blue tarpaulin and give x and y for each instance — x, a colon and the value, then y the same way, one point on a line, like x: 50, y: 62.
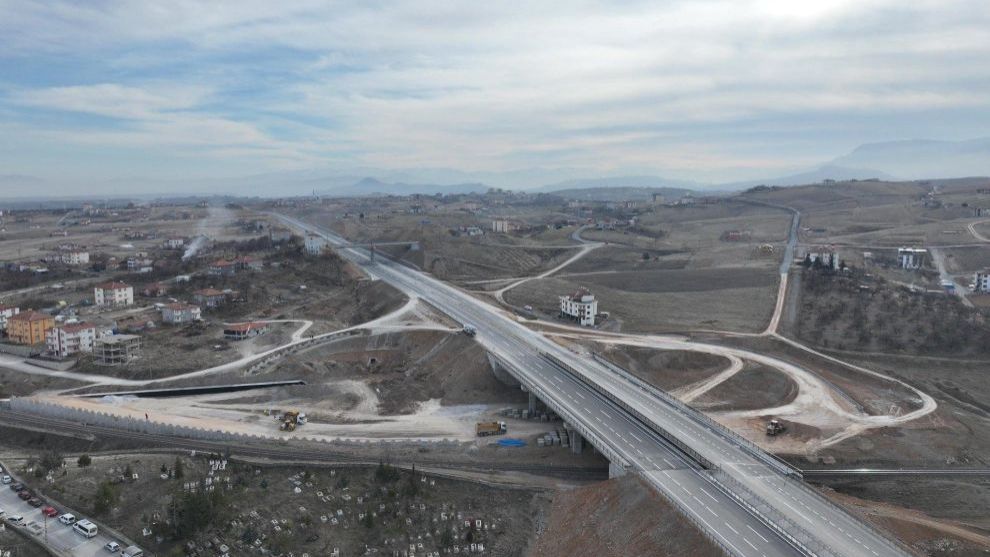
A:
x: 511, y: 443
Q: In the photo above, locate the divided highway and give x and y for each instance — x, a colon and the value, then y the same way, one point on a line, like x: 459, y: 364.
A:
x: 744, y: 504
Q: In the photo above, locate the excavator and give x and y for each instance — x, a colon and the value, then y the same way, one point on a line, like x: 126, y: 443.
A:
x: 291, y: 420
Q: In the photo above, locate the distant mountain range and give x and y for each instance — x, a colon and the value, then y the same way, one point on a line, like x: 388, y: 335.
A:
x: 374, y: 186
x: 892, y: 160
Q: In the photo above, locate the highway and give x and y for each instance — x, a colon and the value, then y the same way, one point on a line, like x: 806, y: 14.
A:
x: 745, y: 505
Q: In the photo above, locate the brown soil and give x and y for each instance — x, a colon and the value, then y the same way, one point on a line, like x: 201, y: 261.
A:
x: 666, y: 369
x: 617, y: 518
x: 407, y: 368
x: 754, y: 387
x: 937, y: 537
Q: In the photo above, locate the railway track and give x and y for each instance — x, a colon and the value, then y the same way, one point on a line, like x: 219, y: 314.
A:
x: 287, y: 451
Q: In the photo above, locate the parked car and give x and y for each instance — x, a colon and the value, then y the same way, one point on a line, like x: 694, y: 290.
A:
x: 50, y: 512
x: 25, y: 494
x: 68, y: 519
x: 35, y: 502
x: 6, y: 479
x: 16, y: 519
x: 3, y: 514
x: 17, y: 487
x: 112, y: 547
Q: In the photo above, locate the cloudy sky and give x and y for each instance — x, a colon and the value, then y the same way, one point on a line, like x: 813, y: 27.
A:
x: 713, y: 90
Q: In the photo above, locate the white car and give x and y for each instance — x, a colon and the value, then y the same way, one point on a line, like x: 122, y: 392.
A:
x: 112, y: 547
x: 68, y: 519
x: 6, y: 479
x: 16, y: 519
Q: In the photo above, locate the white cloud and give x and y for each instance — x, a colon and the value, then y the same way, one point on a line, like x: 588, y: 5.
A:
x: 498, y: 85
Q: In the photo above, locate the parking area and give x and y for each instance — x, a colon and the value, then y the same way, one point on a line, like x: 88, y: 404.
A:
x: 59, y: 537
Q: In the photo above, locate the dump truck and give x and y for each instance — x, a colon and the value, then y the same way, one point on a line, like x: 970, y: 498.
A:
x: 292, y: 419
x: 484, y: 429
x: 774, y: 427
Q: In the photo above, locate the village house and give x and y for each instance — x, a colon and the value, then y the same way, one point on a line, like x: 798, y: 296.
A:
x: 178, y: 313
x: 69, y: 339
x: 113, y: 294
x: 174, y: 242
x: 69, y: 257
x: 6, y: 312
x: 315, y: 244
x: 29, y: 327
x: 223, y: 267
x: 210, y: 297
x: 242, y: 331
x: 911, y: 258
x: 581, y: 306
x: 155, y: 290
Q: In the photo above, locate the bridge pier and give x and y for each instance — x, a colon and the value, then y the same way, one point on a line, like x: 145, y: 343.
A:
x: 577, y: 442
x: 532, y: 403
x: 616, y: 470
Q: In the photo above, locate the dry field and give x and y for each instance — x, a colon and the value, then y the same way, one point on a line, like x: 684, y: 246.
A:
x: 663, y: 301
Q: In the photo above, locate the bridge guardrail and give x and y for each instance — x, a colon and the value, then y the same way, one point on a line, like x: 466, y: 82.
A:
x: 667, y: 436
x: 689, y: 515
x: 752, y: 448
x: 571, y: 420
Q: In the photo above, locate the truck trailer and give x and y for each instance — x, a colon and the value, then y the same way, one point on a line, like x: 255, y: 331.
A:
x: 484, y: 429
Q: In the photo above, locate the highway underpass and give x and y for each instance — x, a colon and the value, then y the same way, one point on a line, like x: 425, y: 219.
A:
x: 741, y: 499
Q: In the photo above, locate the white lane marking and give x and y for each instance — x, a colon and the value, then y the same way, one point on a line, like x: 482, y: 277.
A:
x: 750, y: 544
x: 605, y: 414
x: 733, y: 529
x: 758, y: 534
x: 635, y: 437
x: 709, y: 495
x: 580, y: 395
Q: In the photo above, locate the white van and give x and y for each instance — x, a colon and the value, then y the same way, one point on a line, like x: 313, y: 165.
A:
x: 68, y: 519
x: 85, y: 528
x: 132, y: 551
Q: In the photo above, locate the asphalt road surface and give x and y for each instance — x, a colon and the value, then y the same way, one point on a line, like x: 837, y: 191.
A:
x: 53, y: 534
x: 794, y: 520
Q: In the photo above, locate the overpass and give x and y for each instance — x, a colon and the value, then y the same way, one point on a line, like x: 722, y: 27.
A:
x: 745, y: 501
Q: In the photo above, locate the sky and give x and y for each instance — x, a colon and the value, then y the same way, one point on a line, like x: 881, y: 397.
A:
x: 710, y: 90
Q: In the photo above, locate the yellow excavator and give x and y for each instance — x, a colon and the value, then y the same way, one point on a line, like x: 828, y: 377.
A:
x: 291, y: 420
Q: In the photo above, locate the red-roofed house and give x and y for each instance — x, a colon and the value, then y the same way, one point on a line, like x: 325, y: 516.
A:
x: 71, y: 339
x: 210, y: 297
x: 180, y: 313
x: 242, y: 331
x: 113, y: 294
x: 581, y: 305
x: 222, y: 267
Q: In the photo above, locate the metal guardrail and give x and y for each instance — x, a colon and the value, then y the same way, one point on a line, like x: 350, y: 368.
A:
x: 687, y: 513
x: 667, y: 436
x: 700, y: 418
x: 783, y: 526
x: 755, y: 451
x: 571, y: 419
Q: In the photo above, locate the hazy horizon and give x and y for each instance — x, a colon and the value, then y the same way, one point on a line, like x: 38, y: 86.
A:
x: 103, y: 96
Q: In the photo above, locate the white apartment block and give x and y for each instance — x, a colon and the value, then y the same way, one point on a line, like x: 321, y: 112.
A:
x: 180, y: 313
x: 315, y: 244
x: 981, y: 282
x: 911, y: 258
x: 6, y: 312
x: 71, y: 257
x: 70, y: 339
x: 113, y: 294
x: 581, y: 306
